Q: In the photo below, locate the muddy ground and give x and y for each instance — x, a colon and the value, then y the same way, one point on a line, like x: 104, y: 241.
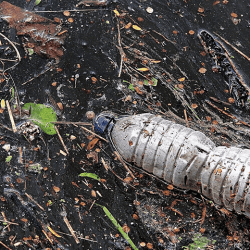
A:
x: 41, y: 191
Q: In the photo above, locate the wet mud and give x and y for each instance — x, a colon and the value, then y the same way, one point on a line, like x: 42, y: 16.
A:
x: 130, y: 61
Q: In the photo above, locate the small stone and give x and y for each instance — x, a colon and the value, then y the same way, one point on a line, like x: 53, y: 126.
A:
x: 90, y: 115
x: 149, y: 10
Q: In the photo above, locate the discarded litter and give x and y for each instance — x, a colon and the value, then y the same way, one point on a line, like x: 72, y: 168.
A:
x: 182, y: 157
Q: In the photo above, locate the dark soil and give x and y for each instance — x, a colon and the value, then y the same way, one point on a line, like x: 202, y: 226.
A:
x: 86, y: 78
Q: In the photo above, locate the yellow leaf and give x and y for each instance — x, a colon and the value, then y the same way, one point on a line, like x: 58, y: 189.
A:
x: 53, y: 232
x: 154, y: 61
x: 143, y: 69
x: 135, y: 27
x: 181, y: 79
x: 3, y: 104
x: 116, y: 12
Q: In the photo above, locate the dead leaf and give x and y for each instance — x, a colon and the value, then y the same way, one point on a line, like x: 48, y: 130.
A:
x: 66, y: 13
x: 116, y: 12
x: 92, y: 143
x: 200, y: 9
x: 143, y: 69
x: 56, y: 189
x: 230, y: 100
x: 53, y: 232
x: 175, y: 32
x: 194, y: 105
x: 127, y: 26
x: 202, y: 70
x: 135, y: 27
x: 216, y: 2
x: 234, y: 15
x: 182, y: 79
x: 170, y: 187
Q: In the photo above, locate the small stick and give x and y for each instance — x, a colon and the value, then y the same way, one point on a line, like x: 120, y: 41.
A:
x: 11, y: 117
x: 225, y: 113
x: 20, y: 155
x: 78, y: 237
x: 51, y: 242
x: 5, y: 220
x: 219, y: 101
x: 71, y: 229
x: 5, y: 245
x: 29, y: 196
x: 12, y: 223
x: 186, y: 119
x: 57, y: 131
x: 73, y: 123
x: 112, y: 171
x: 233, y: 66
x: 57, y: 11
x: 124, y: 164
x: 227, y: 42
x: 93, y: 133
x: 163, y: 37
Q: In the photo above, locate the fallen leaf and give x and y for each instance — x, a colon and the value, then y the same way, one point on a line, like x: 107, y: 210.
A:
x: 143, y: 69
x: 200, y: 9
x: 181, y: 79
x: 92, y: 143
x: 230, y: 100
x: 66, y: 13
x: 56, y: 189
x: 234, y: 15
x: 202, y: 70
x: 116, y: 12
x: 216, y: 2
x: 175, y: 32
x: 135, y: 27
x: 53, y: 232
x: 194, y: 105
x: 127, y: 26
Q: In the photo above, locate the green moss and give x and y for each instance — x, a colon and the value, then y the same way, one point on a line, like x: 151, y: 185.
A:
x: 200, y: 242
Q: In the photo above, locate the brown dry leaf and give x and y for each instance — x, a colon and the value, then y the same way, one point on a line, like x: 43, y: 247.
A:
x: 208, y: 118
x: 216, y: 2
x: 135, y: 27
x: 180, y: 86
x: 127, y: 26
x: 175, y: 32
x: 170, y: 187
x: 27, y: 238
x: 138, y: 91
x: 192, y: 215
x: 225, y: 211
x: 143, y: 69
x: 128, y: 179
x: 191, y: 32
x: 60, y: 106
x: 140, y: 19
x: 150, y: 246
x: 166, y: 192
x: 200, y: 9
x: 92, y: 143
x: 24, y: 220
x: 219, y: 170
x: 130, y: 143
x: 93, y: 193
x: 182, y: 79
x: 203, y: 53
x: 194, y: 105
x: 202, y: 92
x: 70, y: 20
x: 135, y: 216
x: 202, y: 70
x: 125, y: 228
x: 234, y: 15
x: 230, y: 100
x: 66, y: 13
x: 202, y: 230
x: 93, y: 79
x: 56, y: 189
x: 215, y: 122
x: 176, y: 230
x: 225, y: 1
x: 54, y: 84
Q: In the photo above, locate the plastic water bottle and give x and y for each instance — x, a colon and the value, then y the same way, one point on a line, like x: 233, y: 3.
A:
x: 181, y: 156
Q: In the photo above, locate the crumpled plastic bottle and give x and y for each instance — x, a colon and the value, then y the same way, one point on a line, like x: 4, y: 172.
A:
x: 181, y: 156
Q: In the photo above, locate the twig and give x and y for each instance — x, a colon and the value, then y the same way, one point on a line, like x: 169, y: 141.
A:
x: 12, y: 223
x: 219, y: 101
x: 93, y: 133
x: 163, y: 37
x: 5, y: 220
x: 186, y: 119
x: 112, y: 171
x: 73, y: 123
x: 57, y: 11
x: 5, y: 245
x: 124, y: 164
x: 30, y: 80
x: 233, y: 66
x: 78, y: 237
x: 17, y: 52
x: 34, y: 201
x: 46, y: 235
x: 11, y: 117
x: 227, y: 42
x: 71, y: 229
x: 57, y: 131
x: 227, y: 114
x: 1, y: 125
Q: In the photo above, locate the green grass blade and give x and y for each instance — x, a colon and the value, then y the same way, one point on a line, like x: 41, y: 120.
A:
x: 90, y: 175
x: 118, y: 226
